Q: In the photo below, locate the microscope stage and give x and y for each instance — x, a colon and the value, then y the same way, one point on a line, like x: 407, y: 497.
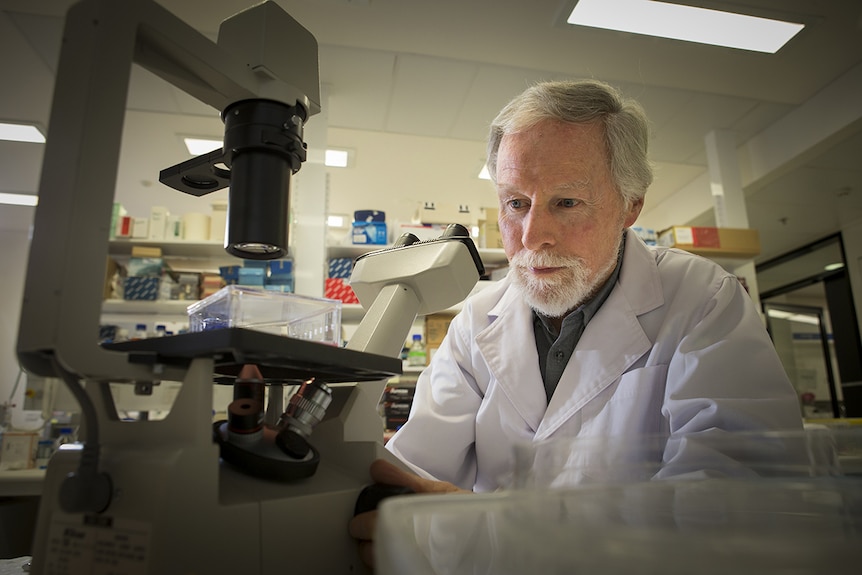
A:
x: 278, y: 357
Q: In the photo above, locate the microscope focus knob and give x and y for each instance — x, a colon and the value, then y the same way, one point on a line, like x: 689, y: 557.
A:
x: 456, y: 231
x: 406, y: 239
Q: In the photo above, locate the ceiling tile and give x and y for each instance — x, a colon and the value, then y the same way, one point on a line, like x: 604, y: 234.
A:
x: 427, y: 94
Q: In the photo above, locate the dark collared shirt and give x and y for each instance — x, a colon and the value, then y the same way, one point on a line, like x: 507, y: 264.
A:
x: 554, y: 348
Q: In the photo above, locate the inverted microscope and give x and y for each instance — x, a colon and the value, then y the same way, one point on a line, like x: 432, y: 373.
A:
x: 182, y: 494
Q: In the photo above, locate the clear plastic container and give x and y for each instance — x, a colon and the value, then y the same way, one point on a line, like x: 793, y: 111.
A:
x: 741, y: 503
x: 708, y: 527
x: 291, y: 315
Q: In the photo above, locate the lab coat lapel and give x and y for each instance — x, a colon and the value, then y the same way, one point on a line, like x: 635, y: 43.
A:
x: 508, y: 348
x: 611, y: 342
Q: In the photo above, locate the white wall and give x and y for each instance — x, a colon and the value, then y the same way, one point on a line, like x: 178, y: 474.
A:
x: 14, y: 239
x: 394, y: 173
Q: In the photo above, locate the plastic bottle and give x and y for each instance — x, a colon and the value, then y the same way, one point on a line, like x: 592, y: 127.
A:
x: 140, y: 331
x: 416, y: 356
x: 161, y: 330
x: 67, y: 435
x: 44, y: 450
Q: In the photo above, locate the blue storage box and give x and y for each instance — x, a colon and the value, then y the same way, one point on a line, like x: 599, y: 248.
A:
x: 340, y: 267
x: 251, y: 276
x: 370, y: 233
x: 369, y: 216
x: 141, y: 288
x: 281, y: 269
x: 255, y: 264
x: 230, y: 274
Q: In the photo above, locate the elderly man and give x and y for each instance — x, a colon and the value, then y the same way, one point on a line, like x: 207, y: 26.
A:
x: 592, y: 334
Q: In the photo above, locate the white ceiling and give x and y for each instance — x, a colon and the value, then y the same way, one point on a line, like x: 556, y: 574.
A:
x: 413, y: 84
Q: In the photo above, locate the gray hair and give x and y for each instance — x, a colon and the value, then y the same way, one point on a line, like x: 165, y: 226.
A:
x: 625, y: 126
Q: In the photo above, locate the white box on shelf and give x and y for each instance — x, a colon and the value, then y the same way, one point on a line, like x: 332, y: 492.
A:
x: 158, y: 222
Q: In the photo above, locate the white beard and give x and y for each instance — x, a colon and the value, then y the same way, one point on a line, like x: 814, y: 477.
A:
x: 561, y: 292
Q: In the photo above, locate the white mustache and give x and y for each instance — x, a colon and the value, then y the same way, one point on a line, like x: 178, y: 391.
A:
x: 544, y: 260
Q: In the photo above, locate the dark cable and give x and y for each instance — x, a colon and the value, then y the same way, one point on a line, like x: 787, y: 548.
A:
x: 86, y: 490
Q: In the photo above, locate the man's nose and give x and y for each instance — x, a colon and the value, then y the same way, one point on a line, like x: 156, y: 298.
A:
x: 539, y: 229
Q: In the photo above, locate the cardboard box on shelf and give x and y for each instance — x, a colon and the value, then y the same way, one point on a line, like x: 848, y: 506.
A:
x: 489, y: 229
x: 146, y: 252
x: 713, y: 242
x: 436, y: 326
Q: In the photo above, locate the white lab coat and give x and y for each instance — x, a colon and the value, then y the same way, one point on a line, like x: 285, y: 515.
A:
x: 678, y: 347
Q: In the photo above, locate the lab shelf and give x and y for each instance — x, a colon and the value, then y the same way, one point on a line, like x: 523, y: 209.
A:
x: 146, y: 307
x: 211, y: 254
x: 174, y: 248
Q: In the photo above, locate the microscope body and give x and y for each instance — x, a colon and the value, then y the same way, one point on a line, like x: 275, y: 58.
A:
x: 168, y: 501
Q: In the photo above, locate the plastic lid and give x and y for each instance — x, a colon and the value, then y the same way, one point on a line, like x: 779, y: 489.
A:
x: 141, y: 326
x: 66, y: 430
x: 416, y: 337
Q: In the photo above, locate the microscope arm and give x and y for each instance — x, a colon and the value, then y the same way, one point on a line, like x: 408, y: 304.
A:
x: 398, y: 284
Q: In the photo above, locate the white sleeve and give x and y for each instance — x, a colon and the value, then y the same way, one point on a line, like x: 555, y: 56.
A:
x: 438, y: 439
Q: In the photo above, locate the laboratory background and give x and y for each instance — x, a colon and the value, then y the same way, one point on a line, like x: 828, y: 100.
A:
x: 757, y: 158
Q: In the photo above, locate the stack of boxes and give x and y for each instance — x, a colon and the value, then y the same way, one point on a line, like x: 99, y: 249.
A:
x: 273, y: 275
x: 149, y: 278
x: 489, y: 229
x: 397, y: 401
x: 162, y: 225
x: 336, y: 284
x: 143, y: 274
x: 436, y: 326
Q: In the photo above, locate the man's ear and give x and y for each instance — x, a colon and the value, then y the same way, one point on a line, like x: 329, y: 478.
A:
x: 633, y: 212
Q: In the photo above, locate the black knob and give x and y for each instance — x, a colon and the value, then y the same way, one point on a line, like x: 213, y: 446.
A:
x: 406, y: 239
x: 456, y: 231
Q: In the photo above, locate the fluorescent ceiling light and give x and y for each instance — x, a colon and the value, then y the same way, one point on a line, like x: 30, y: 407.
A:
x: 789, y: 316
x: 200, y: 146
x: 833, y: 267
x: 21, y: 133
x: 19, y: 199
x: 687, y: 23
x: 483, y: 173
x: 336, y: 158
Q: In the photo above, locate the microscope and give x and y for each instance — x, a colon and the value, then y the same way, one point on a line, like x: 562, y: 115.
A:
x: 182, y: 494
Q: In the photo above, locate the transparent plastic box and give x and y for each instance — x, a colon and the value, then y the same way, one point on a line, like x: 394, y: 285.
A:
x: 711, y: 503
x: 286, y: 314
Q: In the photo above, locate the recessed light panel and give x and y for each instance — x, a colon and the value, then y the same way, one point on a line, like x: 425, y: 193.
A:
x: 687, y: 23
x: 21, y: 133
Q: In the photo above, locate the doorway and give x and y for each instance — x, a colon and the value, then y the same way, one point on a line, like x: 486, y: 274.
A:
x: 810, y: 315
x: 804, y: 345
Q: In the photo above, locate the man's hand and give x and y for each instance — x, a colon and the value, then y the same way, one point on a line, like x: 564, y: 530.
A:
x: 362, y: 526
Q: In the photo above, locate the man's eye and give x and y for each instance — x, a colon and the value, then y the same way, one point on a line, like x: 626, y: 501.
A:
x: 515, y: 204
x: 569, y: 203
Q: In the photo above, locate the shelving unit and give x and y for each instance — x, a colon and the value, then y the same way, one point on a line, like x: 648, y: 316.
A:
x: 173, y: 248
x: 210, y: 255
x: 158, y: 307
